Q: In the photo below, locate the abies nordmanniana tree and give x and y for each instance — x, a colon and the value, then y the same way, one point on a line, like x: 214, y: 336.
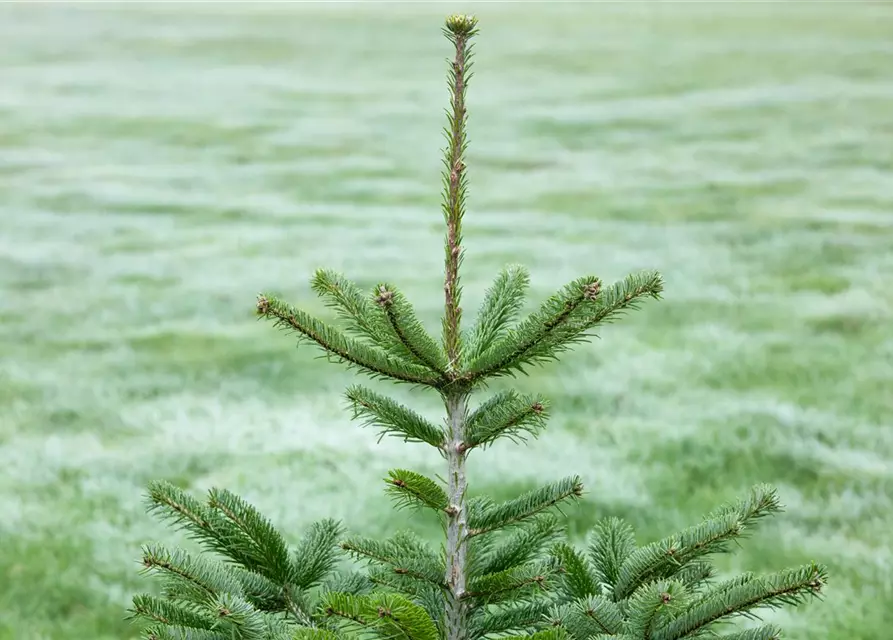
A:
x: 504, y: 568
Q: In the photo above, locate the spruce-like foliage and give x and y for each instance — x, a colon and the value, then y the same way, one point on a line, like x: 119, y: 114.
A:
x: 255, y: 589
x: 667, y: 590
x: 504, y: 569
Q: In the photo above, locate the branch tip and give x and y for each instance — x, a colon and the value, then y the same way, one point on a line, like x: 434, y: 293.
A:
x: 461, y: 25
x: 385, y: 297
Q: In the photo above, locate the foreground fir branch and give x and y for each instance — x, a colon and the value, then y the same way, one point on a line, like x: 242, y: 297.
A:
x: 503, y: 570
x: 666, y: 590
x: 249, y: 584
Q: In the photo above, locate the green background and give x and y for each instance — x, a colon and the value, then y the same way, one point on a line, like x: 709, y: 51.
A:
x: 161, y: 164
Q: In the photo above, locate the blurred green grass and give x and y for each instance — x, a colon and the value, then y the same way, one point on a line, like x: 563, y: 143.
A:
x: 163, y: 163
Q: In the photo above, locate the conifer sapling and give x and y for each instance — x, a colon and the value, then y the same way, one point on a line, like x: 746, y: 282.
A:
x: 504, y: 568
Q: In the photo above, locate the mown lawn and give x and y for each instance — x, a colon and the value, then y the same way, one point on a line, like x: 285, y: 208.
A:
x: 162, y: 164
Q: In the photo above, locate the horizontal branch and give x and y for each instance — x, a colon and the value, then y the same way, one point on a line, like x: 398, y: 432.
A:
x: 390, y: 615
x: 484, y: 517
x: 413, y: 489
x: 507, y: 414
x: 180, y: 632
x: 313, y: 633
x: 664, y: 558
x: 525, y: 545
x: 497, y: 587
x: 404, y: 556
x: 189, y: 577
x: 401, y: 582
x: 554, y: 633
x: 399, y: 617
x: 520, y: 616
x: 625, y: 295
x: 791, y: 586
x: 345, y: 606
x: 391, y: 418
x: 165, y: 612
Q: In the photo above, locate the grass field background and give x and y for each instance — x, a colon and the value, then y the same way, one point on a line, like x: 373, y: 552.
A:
x: 161, y: 164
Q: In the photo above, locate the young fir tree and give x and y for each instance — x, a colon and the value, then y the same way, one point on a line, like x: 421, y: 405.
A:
x: 503, y: 568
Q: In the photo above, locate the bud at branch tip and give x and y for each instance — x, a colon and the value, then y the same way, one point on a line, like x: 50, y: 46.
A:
x: 461, y: 25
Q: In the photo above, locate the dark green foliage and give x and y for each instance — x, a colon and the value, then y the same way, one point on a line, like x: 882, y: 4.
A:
x: 174, y: 632
x: 664, y: 557
x: 579, y: 580
x: 506, y: 415
x: 371, y: 360
x: 254, y: 589
x: 412, y: 489
x: 305, y: 633
x: 314, y: 558
x: 407, y: 331
x: 386, y: 615
x: 166, y: 612
x: 522, y: 546
x: 391, y: 418
x: 545, y: 634
x: 385, y: 319
x: 519, y: 617
x: 769, y: 632
x: 504, y: 568
x: 741, y: 596
x: 663, y: 590
x: 403, y: 554
x: 611, y: 544
x: 500, y: 308
x: 484, y: 516
x: 562, y: 321
x: 591, y: 615
x: 695, y: 574
x: 516, y: 583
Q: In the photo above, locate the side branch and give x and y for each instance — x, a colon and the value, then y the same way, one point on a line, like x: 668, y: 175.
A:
x: 536, y: 331
x: 563, y: 320
x: 791, y: 586
x: 391, y: 418
x: 369, y: 359
x: 490, y: 517
x: 412, y: 489
x: 507, y: 414
x: 408, y: 331
x: 402, y: 561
